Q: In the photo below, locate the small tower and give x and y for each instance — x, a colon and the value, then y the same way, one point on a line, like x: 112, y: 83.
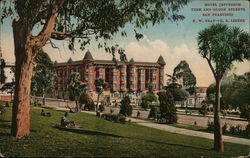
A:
x: 88, y: 56
x: 161, y: 61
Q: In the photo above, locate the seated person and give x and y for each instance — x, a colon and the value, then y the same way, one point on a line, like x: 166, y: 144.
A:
x: 67, y: 123
x: 48, y: 114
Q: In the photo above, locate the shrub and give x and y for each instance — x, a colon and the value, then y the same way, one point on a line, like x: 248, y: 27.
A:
x: 153, y: 112
x: 101, y: 108
x: 114, y: 118
x: 87, y: 100
x: 210, y: 126
x: 2, y: 109
x: 246, y: 132
x: 232, y: 130
x: 7, y: 104
x: 224, y: 129
x: 167, y: 107
x: 126, y: 108
x: 204, y: 109
x: 245, y: 111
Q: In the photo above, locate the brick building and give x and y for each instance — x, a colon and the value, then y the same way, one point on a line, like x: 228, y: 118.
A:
x: 131, y: 77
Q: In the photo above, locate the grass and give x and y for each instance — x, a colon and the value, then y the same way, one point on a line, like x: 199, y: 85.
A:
x: 101, y: 138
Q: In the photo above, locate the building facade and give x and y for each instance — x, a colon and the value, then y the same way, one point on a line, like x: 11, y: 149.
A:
x: 122, y: 78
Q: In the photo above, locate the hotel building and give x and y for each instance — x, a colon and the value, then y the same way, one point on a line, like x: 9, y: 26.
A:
x: 122, y: 78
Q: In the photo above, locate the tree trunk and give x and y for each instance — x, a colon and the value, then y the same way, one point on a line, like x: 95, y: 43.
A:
x: 96, y: 106
x: 43, y: 97
x: 218, y: 143
x: 77, y: 106
x: 23, y: 74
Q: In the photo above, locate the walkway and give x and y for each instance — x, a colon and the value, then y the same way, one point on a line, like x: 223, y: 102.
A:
x: 172, y: 129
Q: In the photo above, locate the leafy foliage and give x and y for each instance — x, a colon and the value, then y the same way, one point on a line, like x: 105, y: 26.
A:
x: 87, y: 101
x: 125, y: 108
x: 2, y: 73
x: 177, y: 92
x: 100, y: 86
x: 76, y: 88
x: 148, y: 99
x: 43, y: 78
x: 183, y: 73
x: 167, y: 108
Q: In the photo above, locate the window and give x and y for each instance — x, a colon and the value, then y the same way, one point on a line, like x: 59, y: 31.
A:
x: 123, y: 86
x: 162, y: 71
x: 142, y: 85
x: 90, y: 68
x: 100, y: 69
x: 122, y: 69
x: 161, y: 78
x: 142, y: 78
x: 132, y: 86
x: 114, y: 69
x: 154, y: 85
x: 101, y: 77
x: 132, y: 69
x: 90, y: 77
x: 114, y: 86
x: 86, y: 69
x: 161, y: 86
x: 86, y: 78
x: 114, y: 78
x: 90, y: 86
x: 154, y: 77
x: 153, y: 71
x: 122, y: 78
x: 132, y: 78
x: 142, y: 70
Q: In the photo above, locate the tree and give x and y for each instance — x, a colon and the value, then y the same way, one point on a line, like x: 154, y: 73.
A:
x: 183, y: 73
x: 177, y: 92
x: 125, y: 108
x: 152, y: 112
x: 221, y: 45
x: 72, y: 20
x: 148, y: 99
x: 167, y: 108
x: 100, y: 86
x: 2, y: 73
x: 43, y: 76
x: 76, y: 88
x: 87, y: 101
x: 9, y: 88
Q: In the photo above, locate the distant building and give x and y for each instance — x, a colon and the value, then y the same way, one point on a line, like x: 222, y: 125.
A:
x: 193, y: 101
x: 122, y: 78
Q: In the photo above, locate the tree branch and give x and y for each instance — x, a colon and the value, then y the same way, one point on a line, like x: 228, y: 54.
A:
x: 63, y: 35
x: 211, y: 67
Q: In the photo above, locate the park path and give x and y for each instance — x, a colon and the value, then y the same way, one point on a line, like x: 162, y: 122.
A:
x: 172, y: 129
x: 177, y: 130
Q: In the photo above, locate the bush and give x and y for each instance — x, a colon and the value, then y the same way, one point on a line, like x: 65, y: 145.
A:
x: 7, y: 104
x: 87, y: 100
x: 232, y: 130
x: 167, y: 107
x: 153, y: 112
x: 114, y: 118
x: 101, y: 108
x: 2, y: 109
x: 245, y: 111
x: 224, y: 129
x: 210, y: 126
x: 204, y: 109
x: 246, y: 132
x: 126, y: 108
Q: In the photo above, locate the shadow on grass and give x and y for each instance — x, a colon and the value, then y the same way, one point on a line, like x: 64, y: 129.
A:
x: 87, y: 132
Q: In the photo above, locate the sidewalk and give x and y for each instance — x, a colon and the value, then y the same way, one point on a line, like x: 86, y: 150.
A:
x: 172, y: 129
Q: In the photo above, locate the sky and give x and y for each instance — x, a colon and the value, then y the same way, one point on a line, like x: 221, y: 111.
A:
x: 174, y: 41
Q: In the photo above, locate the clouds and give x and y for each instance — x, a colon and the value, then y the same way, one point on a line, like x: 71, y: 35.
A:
x: 150, y: 50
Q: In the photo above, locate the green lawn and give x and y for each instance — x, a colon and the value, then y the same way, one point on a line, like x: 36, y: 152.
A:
x: 101, y: 138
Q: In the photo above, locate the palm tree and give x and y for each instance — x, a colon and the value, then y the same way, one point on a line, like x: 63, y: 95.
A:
x: 221, y: 45
x: 100, y: 85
